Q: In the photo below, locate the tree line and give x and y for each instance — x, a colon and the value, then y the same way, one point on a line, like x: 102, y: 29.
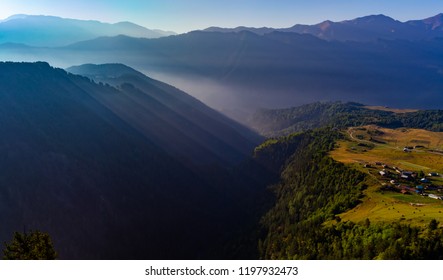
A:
x: 278, y: 122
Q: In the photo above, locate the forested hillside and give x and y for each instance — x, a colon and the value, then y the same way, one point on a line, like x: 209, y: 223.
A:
x: 279, y: 122
x: 313, y: 189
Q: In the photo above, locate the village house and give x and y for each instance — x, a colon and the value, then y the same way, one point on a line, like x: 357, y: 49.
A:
x: 406, y: 175
x: 434, y: 196
x: 420, y: 189
x: 424, y: 180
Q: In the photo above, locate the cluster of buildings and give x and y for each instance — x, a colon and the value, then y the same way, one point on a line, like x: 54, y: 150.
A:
x: 409, y: 182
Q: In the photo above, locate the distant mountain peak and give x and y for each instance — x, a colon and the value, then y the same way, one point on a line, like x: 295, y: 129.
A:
x: 17, y: 16
x: 25, y: 16
x: 380, y: 18
x: 325, y: 25
x: 53, y: 31
x: 435, y: 21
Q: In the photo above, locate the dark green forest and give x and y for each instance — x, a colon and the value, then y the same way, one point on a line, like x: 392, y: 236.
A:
x: 313, y: 189
x: 280, y: 122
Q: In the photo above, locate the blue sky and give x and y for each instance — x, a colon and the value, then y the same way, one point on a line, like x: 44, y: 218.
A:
x: 186, y: 15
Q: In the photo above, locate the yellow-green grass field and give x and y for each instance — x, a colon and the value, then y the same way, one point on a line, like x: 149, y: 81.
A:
x: 370, y: 144
x: 388, y: 148
x: 390, y: 207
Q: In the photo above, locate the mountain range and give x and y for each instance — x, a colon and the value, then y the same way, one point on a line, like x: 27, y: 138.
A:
x: 240, y: 72
x: 133, y: 153
x: 237, y: 73
x: 363, y: 29
x: 51, y: 31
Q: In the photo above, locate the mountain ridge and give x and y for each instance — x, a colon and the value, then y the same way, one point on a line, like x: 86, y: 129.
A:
x: 55, y: 31
x: 290, y: 66
x: 174, y: 106
x: 76, y: 164
x: 366, y: 28
x: 237, y: 73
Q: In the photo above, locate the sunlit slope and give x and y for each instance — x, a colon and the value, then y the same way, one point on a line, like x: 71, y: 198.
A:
x: 171, y: 118
x: 370, y: 148
x: 73, y: 165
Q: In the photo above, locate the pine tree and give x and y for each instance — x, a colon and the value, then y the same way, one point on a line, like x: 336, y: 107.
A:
x: 34, y: 245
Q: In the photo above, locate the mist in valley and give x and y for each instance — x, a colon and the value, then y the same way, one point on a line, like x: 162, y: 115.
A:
x: 238, y: 73
x: 156, y: 148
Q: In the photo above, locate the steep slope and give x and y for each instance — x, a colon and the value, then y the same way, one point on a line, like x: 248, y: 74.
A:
x: 49, y: 31
x: 72, y: 166
x: 172, y: 119
x: 431, y: 25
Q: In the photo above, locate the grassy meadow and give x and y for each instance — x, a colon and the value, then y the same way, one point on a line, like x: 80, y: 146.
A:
x: 370, y: 148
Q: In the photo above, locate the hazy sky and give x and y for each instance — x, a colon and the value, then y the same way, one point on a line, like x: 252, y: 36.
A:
x: 185, y: 15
